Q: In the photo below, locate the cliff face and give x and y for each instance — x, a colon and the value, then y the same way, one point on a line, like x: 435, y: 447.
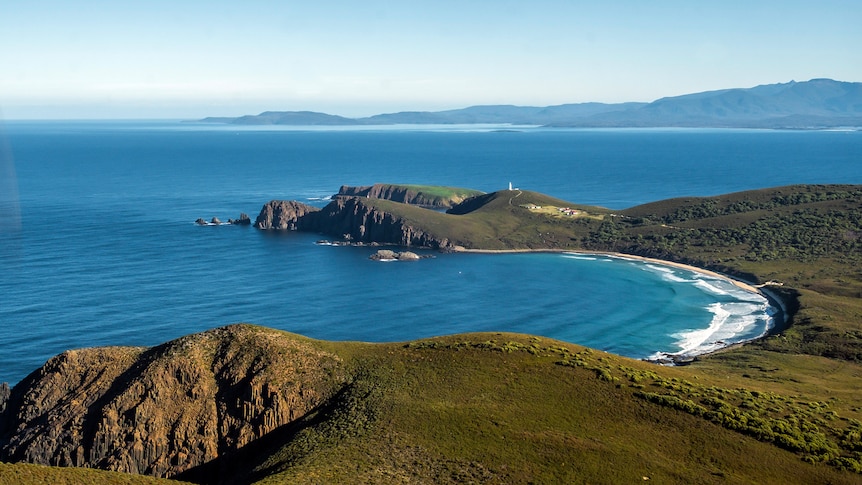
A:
x: 352, y: 219
x: 168, y: 409
x: 407, y: 194
x: 348, y: 218
x: 282, y: 214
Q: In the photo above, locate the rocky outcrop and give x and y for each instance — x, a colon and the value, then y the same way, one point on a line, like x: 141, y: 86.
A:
x: 409, y: 194
x: 282, y: 214
x: 243, y: 220
x: 389, y: 255
x: 168, y: 409
x: 4, y: 396
x: 347, y: 218
x: 352, y: 219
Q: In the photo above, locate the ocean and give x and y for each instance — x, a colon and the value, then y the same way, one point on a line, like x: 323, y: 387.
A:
x: 98, y: 244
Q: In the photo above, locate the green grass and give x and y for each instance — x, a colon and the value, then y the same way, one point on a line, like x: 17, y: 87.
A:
x: 501, y: 408
x: 25, y: 473
x: 438, y: 191
x: 497, y: 221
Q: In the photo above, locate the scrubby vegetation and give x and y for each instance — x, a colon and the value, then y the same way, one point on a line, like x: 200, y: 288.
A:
x: 504, y: 408
x: 812, y: 429
x: 801, y: 224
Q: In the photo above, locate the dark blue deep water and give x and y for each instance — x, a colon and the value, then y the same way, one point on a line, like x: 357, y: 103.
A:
x: 98, y: 245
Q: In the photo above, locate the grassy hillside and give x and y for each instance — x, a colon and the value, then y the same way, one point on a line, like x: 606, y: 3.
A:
x: 502, y: 408
x: 25, y: 473
x: 438, y: 191
x: 500, y: 220
x: 508, y: 408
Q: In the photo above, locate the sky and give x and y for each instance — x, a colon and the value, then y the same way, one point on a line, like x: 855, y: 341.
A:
x: 62, y: 59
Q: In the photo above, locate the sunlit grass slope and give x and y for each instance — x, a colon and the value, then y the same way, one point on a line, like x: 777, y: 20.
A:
x: 503, y: 408
x: 499, y: 220
x: 25, y: 473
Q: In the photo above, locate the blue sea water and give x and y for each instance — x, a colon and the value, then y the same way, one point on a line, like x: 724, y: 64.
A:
x: 98, y: 244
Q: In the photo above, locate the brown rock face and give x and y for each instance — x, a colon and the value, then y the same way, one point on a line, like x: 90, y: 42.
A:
x: 282, y: 214
x: 168, y: 409
x: 4, y: 396
x: 389, y: 255
x: 351, y: 217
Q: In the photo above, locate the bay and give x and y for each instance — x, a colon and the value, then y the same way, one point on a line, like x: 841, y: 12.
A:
x: 100, y: 248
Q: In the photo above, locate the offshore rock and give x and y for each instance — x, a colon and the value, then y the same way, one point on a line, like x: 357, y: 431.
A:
x: 408, y: 256
x: 384, y: 255
x: 283, y: 214
x: 165, y: 410
x: 243, y: 220
x: 389, y: 255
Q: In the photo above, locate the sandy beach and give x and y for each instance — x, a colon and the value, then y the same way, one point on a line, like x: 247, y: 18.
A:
x: 740, y: 284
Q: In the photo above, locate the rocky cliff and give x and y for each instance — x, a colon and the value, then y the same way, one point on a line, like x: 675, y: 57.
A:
x: 282, y: 214
x: 432, y: 197
x: 165, y: 410
x: 4, y: 396
x: 353, y: 219
x: 349, y: 218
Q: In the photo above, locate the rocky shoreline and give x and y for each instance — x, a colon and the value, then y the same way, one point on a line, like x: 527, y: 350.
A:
x: 348, y: 218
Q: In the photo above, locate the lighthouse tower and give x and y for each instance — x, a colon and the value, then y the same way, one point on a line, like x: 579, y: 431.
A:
x: 510, y: 185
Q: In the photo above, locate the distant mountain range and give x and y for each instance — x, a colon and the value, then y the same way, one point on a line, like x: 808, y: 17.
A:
x: 814, y: 104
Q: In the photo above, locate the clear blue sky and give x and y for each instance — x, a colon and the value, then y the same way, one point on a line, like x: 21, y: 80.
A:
x: 189, y: 58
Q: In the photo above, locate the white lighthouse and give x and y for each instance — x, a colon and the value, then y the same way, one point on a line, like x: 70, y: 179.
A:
x: 510, y: 186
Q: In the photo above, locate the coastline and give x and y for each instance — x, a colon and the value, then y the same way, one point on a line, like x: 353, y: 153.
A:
x: 739, y: 283
x: 679, y: 358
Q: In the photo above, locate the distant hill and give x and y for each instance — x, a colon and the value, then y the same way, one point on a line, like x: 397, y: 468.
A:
x: 814, y: 104
x: 292, y: 118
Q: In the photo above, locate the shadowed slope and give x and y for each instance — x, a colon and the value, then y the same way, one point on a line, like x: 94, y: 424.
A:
x: 163, y: 410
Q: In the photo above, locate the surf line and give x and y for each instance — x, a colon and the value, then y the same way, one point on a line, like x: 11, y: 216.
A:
x: 776, y: 309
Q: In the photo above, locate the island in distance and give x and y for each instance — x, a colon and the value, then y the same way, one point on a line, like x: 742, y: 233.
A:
x: 814, y: 104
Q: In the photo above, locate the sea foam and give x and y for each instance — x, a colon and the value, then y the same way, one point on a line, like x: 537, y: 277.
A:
x: 740, y: 315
